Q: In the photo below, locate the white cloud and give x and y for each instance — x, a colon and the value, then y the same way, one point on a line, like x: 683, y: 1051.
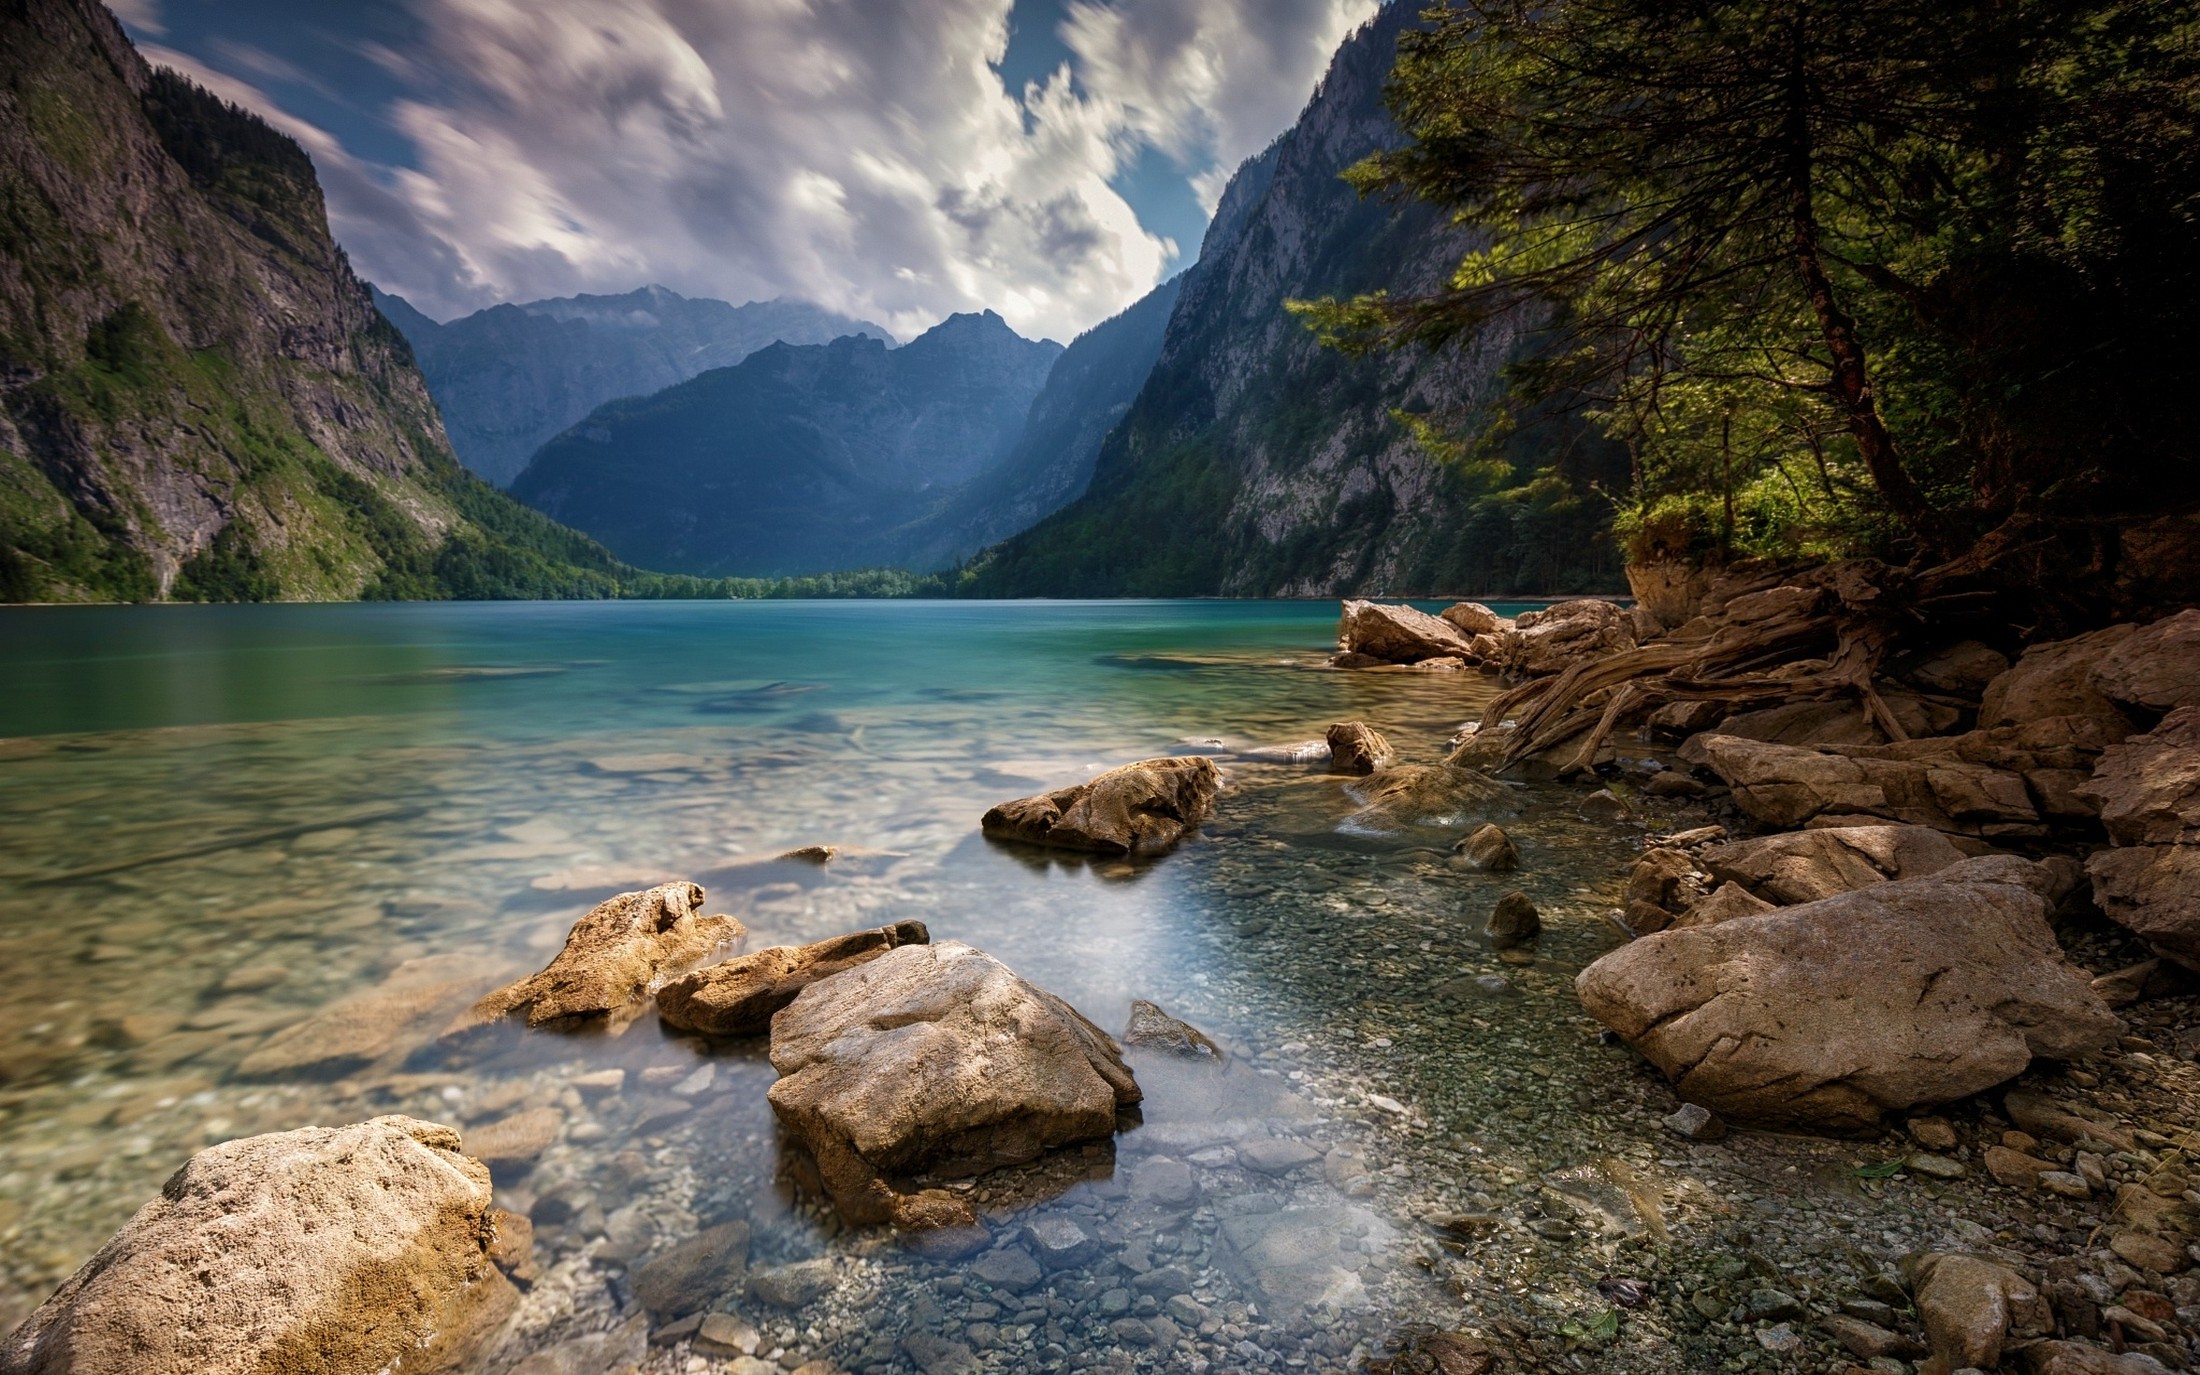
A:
x: 859, y: 153
x: 142, y: 15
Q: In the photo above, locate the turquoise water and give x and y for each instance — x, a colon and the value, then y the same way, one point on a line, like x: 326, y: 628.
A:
x: 218, y: 824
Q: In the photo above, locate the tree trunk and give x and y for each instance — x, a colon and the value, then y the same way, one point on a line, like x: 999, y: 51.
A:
x: 1851, y: 380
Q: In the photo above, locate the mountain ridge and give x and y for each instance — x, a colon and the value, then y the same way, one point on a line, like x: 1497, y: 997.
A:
x: 509, y: 378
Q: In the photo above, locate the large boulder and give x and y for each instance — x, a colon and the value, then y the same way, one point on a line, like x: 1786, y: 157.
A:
x: 1473, y: 618
x: 1399, y: 634
x: 738, y: 998
x: 1805, y: 866
x: 1971, y: 1307
x: 2148, y: 790
x: 2154, y: 669
x: 937, y: 1059
x: 1931, y: 785
x: 1830, y: 1014
x: 1555, y: 639
x: 622, y: 949
x: 1137, y: 809
x: 2055, y: 679
x: 351, y: 1250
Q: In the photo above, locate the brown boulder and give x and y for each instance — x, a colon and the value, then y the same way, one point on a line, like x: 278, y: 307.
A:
x: 1399, y: 634
x: 2055, y: 679
x: 340, y: 1251
x: 2076, y: 1358
x: 2156, y: 668
x: 2154, y: 890
x: 1661, y: 879
x: 1357, y: 747
x: 1784, y: 786
x: 1832, y: 1013
x: 738, y: 997
x: 2148, y: 787
x: 1804, y: 866
x: 1555, y: 639
x: 937, y: 1058
x: 614, y: 956
x: 1137, y: 809
x: 1472, y: 618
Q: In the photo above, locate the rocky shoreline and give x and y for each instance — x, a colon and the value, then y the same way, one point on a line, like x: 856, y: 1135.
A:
x: 1895, y: 960
x: 1995, y: 1102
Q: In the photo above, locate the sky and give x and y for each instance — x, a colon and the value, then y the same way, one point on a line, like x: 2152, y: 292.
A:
x: 897, y: 160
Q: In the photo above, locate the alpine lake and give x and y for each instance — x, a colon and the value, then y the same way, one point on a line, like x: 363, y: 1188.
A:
x: 218, y: 823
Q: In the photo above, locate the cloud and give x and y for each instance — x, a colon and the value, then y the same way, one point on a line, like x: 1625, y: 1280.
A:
x: 142, y: 15
x: 860, y: 153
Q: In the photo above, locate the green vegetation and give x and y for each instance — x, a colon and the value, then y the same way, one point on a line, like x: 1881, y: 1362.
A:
x: 1912, y: 277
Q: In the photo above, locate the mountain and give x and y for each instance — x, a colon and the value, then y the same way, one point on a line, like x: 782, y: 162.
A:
x: 1254, y: 461
x: 802, y: 458
x: 510, y: 378
x: 1050, y: 464
x: 197, y: 397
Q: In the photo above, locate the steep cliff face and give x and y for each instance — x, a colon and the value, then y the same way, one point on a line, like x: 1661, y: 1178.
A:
x: 1256, y: 462
x: 1087, y: 392
x: 801, y: 458
x: 511, y: 378
x: 197, y: 397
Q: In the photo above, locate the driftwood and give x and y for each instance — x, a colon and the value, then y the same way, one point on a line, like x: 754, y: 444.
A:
x: 1817, y: 636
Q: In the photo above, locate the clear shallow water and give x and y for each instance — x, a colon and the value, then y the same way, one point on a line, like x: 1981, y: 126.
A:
x: 218, y: 823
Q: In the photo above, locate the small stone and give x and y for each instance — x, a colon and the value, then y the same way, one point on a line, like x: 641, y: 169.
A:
x: 1605, y: 805
x: 1358, y: 748
x: 1276, y: 1155
x: 1514, y: 922
x: 1933, y: 1133
x: 795, y: 1285
x: 1673, y: 783
x: 1489, y: 849
x: 724, y: 1334
x: 2014, y: 1168
x: 2065, y: 1183
x: 1780, y: 1340
x: 936, y: 1355
x: 697, y: 1271
x: 1011, y: 1268
x: 1695, y: 1122
x: 1867, y: 1340
x: 1933, y: 1166
x: 597, y: 1083
x: 697, y: 1082
x: 1772, y: 1304
x: 2147, y: 1253
x: 1059, y: 1242
x: 1166, y: 1182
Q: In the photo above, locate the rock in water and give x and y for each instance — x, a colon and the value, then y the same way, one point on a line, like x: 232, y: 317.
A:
x: 1408, y: 795
x: 1804, y: 866
x: 937, y: 1058
x: 1357, y: 747
x: 1399, y: 634
x: 1829, y: 1014
x: 1156, y: 1030
x: 690, y: 1276
x: 386, y: 1022
x: 1137, y: 809
x: 738, y: 998
x: 613, y: 956
x: 1489, y: 849
x: 1514, y: 922
x: 340, y: 1251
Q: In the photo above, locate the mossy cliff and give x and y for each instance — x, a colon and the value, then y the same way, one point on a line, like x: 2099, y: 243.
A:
x: 198, y: 399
